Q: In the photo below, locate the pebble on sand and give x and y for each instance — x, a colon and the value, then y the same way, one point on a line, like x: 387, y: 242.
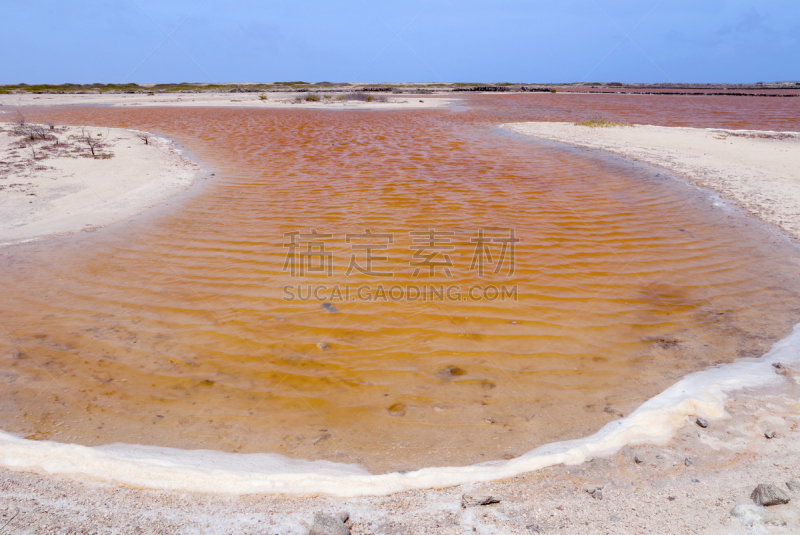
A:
x: 770, y: 434
x: 638, y: 459
x: 702, y: 422
x: 793, y: 486
x: 329, y: 524
x: 473, y: 500
x: 767, y: 495
x: 322, y: 345
x: 687, y: 462
x: 330, y: 308
x: 596, y: 492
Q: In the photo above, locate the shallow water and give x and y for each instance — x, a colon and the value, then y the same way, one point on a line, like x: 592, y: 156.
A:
x: 172, y: 330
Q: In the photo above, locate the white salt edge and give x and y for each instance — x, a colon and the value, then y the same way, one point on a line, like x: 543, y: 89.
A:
x: 701, y: 393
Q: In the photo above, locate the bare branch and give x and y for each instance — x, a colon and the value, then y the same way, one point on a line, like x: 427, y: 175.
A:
x: 144, y: 136
x: 93, y: 142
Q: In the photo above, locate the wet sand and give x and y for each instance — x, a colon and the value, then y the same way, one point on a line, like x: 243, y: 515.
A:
x: 662, y: 495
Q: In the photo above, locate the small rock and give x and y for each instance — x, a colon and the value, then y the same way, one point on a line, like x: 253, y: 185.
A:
x: 473, y: 500
x: 397, y: 408
x: 615, y: 519
x: 330, y: 308
x: 659, y: 456
x: 695, y: 481
x: 322, y: 345
x: 702, y: 423
x: 344, y: 516
x: 597, y: 494
x: 454, y: 370
x: 687, y: 462
x: 638, y: 459
x: 608, y: 409
x: 328, y: 525
x: 768, y: 495
x: 770, y: 434
x: 326, y: 436
x: 777, y: 365
x: 794, y: 486
x: 750, y: 515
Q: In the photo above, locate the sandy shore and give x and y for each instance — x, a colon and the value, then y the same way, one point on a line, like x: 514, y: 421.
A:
x: 685, y: 484
x: 759, y: 171
x: 273, y: 100
x: 55, y: 186
x: 660, y: 495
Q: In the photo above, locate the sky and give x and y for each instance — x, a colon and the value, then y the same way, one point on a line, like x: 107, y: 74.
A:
x: 518, y: 41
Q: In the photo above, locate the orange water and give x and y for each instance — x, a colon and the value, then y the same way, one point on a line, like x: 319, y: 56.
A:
x: 171, y: 329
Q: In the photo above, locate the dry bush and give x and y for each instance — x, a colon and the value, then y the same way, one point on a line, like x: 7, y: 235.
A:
x: 144, y: 136
x: 93, y: 142
x: 599, y: 122
x: 364, y: 97
x: 21, y: 127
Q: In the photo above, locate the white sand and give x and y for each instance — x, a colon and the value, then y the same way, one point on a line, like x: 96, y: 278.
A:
x: 274, y: 100
x: 759, y: 171
x: 64, y: 190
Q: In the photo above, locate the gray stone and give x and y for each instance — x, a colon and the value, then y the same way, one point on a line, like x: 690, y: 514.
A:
x: 770, y: 434
x: 687, y: 462
x: 659, y: 456
x: 597, y: 494
x: 344, y: 516
x: 328, y: 525
x: 322, y: 345
x: 794, y: 486
x: 750, y: 515
x: 473, y: 500
x: 768, y: 495
x: 638, y: 459
x: 330, y: 308
x: 702, y: 422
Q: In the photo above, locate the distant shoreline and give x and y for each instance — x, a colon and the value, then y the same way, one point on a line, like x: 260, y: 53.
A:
x: 289, y: 100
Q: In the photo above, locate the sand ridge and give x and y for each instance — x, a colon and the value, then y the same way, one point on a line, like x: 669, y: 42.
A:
x: 294, y: 100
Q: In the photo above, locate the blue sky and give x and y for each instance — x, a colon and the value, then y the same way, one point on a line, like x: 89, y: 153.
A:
x: 88, y: 41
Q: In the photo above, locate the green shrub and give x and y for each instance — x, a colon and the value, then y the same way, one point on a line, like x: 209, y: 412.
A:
x: 596, y: 122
